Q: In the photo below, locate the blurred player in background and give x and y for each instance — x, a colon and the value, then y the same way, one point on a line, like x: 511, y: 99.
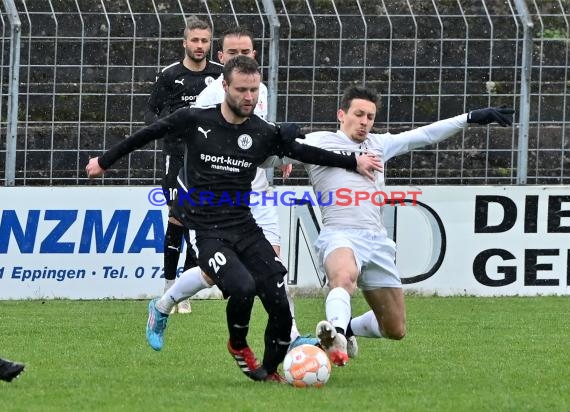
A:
x: 353, y: 247
x: 176, y: 86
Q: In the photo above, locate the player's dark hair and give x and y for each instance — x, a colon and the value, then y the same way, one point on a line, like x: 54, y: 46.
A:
x: 235, y: 32
x: 358, y: 92
x: 194, y: 23
x: 240, y: 64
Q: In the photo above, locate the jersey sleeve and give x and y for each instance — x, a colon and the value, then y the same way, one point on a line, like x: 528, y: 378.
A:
x: 177, y: 122
x: 211, y: 95
x: 315, y: 138
x: 311, y: 139
x: 156, y: 100
x: 396, y: 144
x: 273, y: 161
x: 261, y: 107
x: 308, y: 154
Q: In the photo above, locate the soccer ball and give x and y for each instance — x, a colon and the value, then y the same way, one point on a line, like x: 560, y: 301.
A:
x: 306, y: 365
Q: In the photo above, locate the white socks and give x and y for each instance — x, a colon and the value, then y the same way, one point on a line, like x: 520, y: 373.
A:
x: 294, y: 331
x: 337, y: 308
x: 187, y: 285
x: 168, y: 284
x: 366, y: 325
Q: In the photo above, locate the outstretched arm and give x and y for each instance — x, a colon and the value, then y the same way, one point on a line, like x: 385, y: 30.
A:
x: 436, y: 132
x: 490, y: 115
x: 93, y: 168
x: 175, y: 122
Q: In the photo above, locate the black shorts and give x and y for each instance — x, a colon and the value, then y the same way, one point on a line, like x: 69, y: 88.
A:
x: 172, y: 165
x: 228, y: 256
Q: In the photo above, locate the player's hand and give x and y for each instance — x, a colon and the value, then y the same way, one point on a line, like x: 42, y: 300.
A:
x: 501, y: 115
x: 93, y: 169
x: 286, y: 170
x: 367, y: 163
x: 288, y: 132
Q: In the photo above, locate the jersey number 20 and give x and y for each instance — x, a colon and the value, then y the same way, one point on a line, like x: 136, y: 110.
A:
x: 218, y: 260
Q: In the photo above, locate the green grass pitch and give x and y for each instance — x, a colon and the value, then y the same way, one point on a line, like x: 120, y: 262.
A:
x: 460, y: 354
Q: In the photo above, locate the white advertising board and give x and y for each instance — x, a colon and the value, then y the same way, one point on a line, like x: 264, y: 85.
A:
x: 80, y: 243
x: 106, y: 242
x: 478, y: 240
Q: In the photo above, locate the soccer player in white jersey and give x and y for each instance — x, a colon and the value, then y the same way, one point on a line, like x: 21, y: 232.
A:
x: 353, y: 247
x: 235, y: 42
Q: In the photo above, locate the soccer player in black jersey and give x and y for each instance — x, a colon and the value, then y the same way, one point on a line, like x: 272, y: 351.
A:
x: 224, y: 146
x: 177, y: 86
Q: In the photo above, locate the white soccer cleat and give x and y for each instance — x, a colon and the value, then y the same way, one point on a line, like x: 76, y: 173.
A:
x: 352, y: 347
x: 184, y: 307
x: 333, y: 343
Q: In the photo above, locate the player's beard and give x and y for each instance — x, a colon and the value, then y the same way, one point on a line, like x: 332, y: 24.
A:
x: 236, y: 109
x: 195, y: 59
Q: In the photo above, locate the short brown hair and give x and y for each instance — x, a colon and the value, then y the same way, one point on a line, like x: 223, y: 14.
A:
x: 240, y: 64
x: 194, y: 23
x: 358, y: 92
x: 235, y: 32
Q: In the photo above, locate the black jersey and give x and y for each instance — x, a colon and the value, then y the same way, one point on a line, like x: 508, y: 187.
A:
x: 176, y: 86
x: 221, y: 160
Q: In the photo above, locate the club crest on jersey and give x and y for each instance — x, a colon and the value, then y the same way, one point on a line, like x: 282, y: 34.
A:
x: 244, y: 141
x: 208, y: 80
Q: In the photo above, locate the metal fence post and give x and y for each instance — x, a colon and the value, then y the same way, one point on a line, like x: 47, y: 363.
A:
x: 273, y: 69
x: 524, y: 108
x: 12, y: 127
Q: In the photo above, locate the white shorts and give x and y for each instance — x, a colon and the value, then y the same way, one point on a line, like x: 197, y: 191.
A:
x: 374, y: 252
x: 267, y: 219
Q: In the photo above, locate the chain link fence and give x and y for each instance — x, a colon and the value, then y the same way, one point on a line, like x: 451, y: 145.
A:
x: 87, y: 67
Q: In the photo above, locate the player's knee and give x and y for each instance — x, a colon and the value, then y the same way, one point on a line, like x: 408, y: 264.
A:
x: 395, y: 333
x: 341, y: 278
x: 346, y: 283
x: 244, y: 288
x: 207, y: 279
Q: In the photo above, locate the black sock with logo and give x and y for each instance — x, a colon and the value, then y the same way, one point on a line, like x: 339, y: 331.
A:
x: 172, y: 243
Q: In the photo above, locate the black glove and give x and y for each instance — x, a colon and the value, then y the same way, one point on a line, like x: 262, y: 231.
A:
x: 288, y: 132
x: 490, y: 115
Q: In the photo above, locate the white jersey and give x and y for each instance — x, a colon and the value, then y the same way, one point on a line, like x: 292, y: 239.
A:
x: 214, y: 94
x: 342, y: 211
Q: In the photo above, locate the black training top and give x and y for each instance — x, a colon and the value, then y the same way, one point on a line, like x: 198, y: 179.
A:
x: 220, y: 161
x: 176, y: 86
